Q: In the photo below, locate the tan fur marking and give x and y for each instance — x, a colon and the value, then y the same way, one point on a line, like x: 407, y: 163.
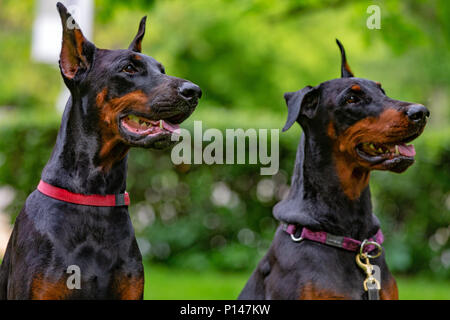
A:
x: 311, y: 292
x: 129, y: 288
x: 43, y: 289
x: 113, y: 148
x: 347, y: 67
x: 389, y: 291
x: 352, y: 171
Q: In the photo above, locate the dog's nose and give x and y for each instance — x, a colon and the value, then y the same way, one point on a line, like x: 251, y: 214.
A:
x: 417, y: 113
x: 189, y: 90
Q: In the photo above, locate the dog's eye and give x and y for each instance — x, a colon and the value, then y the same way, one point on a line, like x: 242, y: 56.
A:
x: 352, y: 99
x: 129, y: 69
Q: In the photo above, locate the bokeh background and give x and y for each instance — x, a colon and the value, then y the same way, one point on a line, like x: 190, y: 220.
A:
x: 201, y: 228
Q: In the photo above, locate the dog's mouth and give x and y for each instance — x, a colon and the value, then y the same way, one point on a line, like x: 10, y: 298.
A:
x: 145, y: 127
x: 394, y: 156
x: 141, y: 131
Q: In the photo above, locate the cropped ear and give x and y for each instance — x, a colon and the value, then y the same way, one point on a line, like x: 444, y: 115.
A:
x: 77, y: 53
x: 302, y: 102
x: 136, y: 44
x: 346, y: 72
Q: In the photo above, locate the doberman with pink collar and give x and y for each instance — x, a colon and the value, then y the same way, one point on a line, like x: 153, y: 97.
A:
x: 350, y: 127
x: 78, y: 218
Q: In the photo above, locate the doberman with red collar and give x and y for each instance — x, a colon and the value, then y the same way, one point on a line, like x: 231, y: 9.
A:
x: 78, y: 216
x: 350, y: 127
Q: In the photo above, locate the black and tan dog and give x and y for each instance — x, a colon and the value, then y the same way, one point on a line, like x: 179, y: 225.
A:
x: 119, y: 99
x: 350, y: 127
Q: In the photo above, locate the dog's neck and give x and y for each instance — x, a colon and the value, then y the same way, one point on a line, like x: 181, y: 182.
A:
x: 317, y: 200
x: 73, y: 164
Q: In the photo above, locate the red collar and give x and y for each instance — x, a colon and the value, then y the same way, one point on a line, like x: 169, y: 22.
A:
x: 96, y: 200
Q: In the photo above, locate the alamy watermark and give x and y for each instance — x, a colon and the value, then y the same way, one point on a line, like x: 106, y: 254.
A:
x: 74, y: 280
x: 229, y: 149
x: 374, y: 20
x: 74, y: 12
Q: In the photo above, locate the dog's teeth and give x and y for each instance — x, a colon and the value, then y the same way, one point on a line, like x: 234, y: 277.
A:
x: 380, y: 150
x: 161, y: 124
x: 372, y: 146
x: 396, y: 150
x: 133, y: 118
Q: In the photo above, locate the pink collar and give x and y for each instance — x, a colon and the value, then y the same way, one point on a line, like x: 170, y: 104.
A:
x: 332, y: 240
x: 96, y: 200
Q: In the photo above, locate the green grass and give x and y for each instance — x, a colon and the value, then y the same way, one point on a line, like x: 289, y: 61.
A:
x: 423, y: 288
x: 174, y: 284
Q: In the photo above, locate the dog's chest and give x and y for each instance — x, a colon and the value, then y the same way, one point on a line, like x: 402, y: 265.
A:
x: 96, y: 246
x: 314, y: 271
x: 308, y: 284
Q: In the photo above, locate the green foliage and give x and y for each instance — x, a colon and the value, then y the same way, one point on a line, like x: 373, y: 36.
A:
x: 24, y: 84
x: 24, y: 151
x: 245, y: 54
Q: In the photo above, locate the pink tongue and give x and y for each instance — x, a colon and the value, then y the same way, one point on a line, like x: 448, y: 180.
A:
x: 174, y: 128
x: 406, y: 150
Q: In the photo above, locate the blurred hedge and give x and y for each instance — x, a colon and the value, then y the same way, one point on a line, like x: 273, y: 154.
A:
x: 219, y: 216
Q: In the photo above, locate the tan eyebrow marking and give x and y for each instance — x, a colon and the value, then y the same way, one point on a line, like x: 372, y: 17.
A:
x: 356, y: 87
x: 378, y: 84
